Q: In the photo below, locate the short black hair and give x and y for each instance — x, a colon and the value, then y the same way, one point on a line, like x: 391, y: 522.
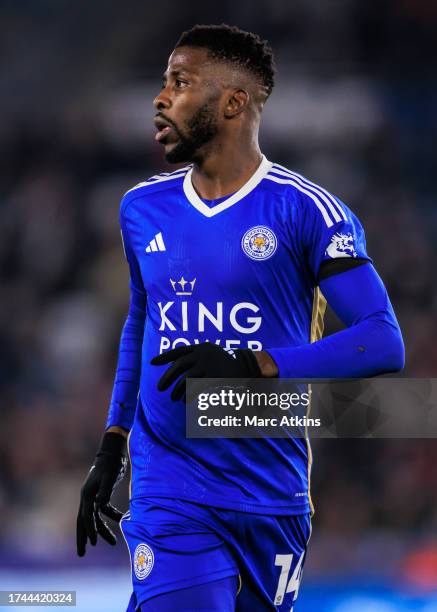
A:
x: 230, y: 44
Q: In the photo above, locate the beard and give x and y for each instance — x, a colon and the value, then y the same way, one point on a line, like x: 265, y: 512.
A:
x: 201, y: 129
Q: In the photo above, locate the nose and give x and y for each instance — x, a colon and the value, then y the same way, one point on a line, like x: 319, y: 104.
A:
x: 162, y: 100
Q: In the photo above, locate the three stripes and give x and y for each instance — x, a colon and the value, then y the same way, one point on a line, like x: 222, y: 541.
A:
x: 160, y: 178
x: 330, y: 209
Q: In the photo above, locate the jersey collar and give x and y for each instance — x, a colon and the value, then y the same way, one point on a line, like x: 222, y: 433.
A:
x: 194, y: 199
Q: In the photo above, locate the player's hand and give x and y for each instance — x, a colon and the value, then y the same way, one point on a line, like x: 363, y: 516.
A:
x: 106, y: 472
x: 204, y: 360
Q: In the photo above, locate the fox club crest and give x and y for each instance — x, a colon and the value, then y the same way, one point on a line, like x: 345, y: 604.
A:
x: 259, y: 243
x: 143, y: 561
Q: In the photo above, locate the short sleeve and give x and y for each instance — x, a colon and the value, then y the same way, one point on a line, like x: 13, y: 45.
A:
x: 136, y: 281
x: 329, y: 230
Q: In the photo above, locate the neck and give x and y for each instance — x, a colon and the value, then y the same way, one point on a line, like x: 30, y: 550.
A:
x: 225, y: 168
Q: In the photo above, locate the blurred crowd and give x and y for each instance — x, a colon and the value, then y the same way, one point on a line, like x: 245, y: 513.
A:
x: 354, y: 110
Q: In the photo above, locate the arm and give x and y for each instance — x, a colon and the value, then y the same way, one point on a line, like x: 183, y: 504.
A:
x: 127, y: 376
x: 110, y: 463
x: 372, y: 343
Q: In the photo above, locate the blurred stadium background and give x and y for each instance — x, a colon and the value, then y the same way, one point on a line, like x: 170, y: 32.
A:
x: 355, y: 110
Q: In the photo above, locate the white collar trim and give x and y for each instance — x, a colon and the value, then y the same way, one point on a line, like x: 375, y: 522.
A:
x: 203, y: 208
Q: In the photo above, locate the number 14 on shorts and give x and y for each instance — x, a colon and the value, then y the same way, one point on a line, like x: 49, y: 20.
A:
x: 286, y: 584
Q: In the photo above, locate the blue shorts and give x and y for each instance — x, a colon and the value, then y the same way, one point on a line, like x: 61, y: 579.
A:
x: 175, y: 544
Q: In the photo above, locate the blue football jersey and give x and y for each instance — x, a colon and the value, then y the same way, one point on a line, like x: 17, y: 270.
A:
x: 241, y: 272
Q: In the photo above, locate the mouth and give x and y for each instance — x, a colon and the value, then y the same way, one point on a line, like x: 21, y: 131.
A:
x: 163, y: 127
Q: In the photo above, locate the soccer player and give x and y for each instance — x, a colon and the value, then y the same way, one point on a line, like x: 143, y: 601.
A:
x: 232, y: 259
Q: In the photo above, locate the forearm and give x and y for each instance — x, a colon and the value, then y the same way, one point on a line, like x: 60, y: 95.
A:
x: 371, y: 345
x: 369, y: 348
x: 127, y: 378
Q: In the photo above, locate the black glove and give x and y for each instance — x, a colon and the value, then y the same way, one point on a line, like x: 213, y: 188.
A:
x: 204, y: 360
x: 108, y: 469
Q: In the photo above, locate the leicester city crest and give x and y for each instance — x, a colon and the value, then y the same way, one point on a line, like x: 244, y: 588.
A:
x: 143, y: 561
x: 259, y: 242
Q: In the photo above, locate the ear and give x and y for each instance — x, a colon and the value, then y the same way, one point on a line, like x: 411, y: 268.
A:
x: 236, y: 103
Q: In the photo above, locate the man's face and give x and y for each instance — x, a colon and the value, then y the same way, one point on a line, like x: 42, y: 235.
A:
x: 187, y: 107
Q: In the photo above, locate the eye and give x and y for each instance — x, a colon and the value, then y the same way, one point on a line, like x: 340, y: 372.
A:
x: 180, y: 84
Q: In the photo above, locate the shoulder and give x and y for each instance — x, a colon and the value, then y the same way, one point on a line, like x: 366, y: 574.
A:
x: 309, y: 198
x: 157, y: 183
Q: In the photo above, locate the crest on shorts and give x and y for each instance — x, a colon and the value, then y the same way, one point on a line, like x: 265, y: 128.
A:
x: 259, y: 242
x: 143, y: 561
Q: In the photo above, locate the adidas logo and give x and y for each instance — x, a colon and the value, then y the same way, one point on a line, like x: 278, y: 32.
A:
x: 157, y: 244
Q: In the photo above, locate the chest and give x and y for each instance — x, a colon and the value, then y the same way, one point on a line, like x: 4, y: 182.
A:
x: 251, y: 245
